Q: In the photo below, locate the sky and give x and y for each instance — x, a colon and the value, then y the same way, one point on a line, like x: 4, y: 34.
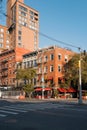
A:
x: 61, y: 20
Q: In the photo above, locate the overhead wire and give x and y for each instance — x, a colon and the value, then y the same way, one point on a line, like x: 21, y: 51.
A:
x: 45, y: 35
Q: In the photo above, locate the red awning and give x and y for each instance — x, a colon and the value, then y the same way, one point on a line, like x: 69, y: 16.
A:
x: 71, y: 90
x: 38, y: 89
x: 45, y: 89
x: 62, y: 90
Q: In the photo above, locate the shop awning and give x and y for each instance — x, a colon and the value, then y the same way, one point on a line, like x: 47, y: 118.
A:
x: 61, y: 90
x: 38, y: 89
x: 45, y: 89
x: 71, y: 90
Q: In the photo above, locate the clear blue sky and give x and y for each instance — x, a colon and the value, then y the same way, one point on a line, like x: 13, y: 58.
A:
x: 64, y: 20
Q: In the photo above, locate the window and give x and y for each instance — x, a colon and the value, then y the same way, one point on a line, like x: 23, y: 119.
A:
x: 35, y: 63
x: 25, y: 24
x: 51, y: 68
x: 59, y: 80
x: 36, y: 14
x: 59, y: 68
x: 7, y: 41
x: 1, y: 35
x: 31, y: 17
x: 1, y: 40
x: 19, y: 32
x: 40, y: 70
x: 24, y: 64
x: 1, y: 30
x: 59, y: 56
x: 45, y: 58
x: 31, y: 63
x: 31, y: 12
x: 7, y: 32
x: 28, y: 63
x: 19, y: 44
x: 20, y: 17
x: 1, y: 45
x: 19, y: 27
x: 45, y: 69
x: 66, y: 58
x: 7, y: 47
x: 20, y: 22
x: 23, y: 13
x: 23, y: 8
x: 51, y: 57
x: 19, y: 37
x: 36, y: 19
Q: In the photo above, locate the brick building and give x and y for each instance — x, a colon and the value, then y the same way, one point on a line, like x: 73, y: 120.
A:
x: 48, y: 63
x: 23, y: 25
x: 4, y: 38
x: 8, y: 62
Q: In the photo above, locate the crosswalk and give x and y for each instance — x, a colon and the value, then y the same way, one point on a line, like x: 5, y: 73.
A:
x: 16, y: 109
x: 23, y: 108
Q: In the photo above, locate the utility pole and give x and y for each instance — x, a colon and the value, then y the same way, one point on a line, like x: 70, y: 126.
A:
x: 42, y: 77
x: 80, y: 80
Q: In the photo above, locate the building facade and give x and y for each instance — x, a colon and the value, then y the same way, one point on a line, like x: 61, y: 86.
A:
x: 4, y: 38
x: 23, y: 25
x: 8, y: 64
x: 30, y: 61
x: 48, y: 63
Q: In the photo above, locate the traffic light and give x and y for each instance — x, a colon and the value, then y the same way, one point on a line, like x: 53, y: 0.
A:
x: 84, y: 52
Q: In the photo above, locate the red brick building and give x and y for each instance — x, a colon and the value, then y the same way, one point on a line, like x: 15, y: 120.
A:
x: 23, y: 25
x: 4, y: 38
x: 50, y: 65
x: 8, y: 62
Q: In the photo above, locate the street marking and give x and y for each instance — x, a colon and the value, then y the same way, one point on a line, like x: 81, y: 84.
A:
x: 8, y: 112
x: 2, y: 115
x: 18, y: 108
x: 12, y: 109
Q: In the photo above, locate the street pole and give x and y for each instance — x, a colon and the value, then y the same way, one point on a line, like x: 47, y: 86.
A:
x: 80, y: 82
x: 42, y: 78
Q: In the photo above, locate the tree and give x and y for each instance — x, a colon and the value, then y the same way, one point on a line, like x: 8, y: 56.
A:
x: 19, y: 75
x: 26, y: 75
x: 71, y: 71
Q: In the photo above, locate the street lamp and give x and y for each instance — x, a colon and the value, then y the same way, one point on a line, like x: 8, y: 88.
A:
x: 42, y: 87
x: 42, y: 78
x: 80, y: 80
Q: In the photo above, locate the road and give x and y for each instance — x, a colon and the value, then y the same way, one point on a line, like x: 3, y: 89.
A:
x: 42, y: 116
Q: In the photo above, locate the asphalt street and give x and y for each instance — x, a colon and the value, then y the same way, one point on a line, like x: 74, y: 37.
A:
x: 17, y: 115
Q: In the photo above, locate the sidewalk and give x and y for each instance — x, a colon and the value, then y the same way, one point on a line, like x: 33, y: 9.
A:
x: 53, y: 100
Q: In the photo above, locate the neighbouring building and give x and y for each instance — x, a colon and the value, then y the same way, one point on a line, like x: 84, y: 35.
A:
x: 30, y: 61
x: 4, y: 38
x: 8, y: 63
x: 23, y: 25
x: 48, y: 63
